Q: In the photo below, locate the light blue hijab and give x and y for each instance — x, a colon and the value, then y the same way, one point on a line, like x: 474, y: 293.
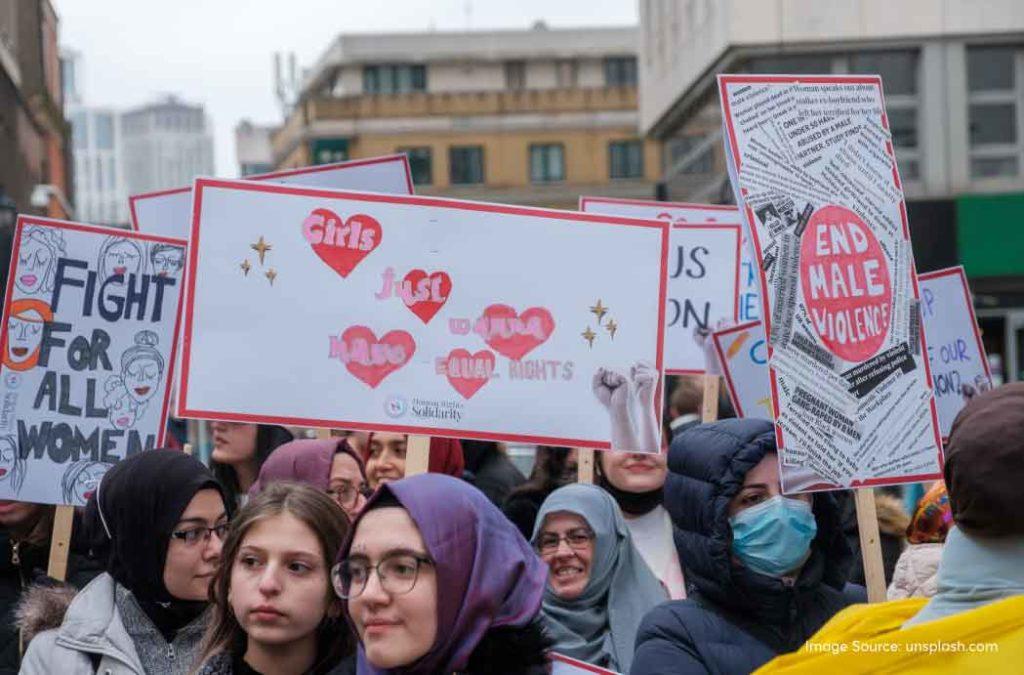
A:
x: 599, y: 626
x: 974, y: 571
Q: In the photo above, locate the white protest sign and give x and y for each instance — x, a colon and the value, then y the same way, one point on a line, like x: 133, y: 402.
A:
x: 959, y: 365
x: 563, y: 665
x: 811, y: 159
x: 743, y: 353
x: 168, y: 212
x: 91, y: 317
x: 423, y: 315
x: 703, y: 274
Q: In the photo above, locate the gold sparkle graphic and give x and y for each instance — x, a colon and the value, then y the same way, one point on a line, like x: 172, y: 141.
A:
x: 261, y: 247
x: 271, y: 275
x: 611, y: 327
x: 589, y: 336
x: 599, y: 311
x: 245, y: 267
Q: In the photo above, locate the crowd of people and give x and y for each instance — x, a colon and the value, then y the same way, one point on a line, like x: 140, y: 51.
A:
x: 292, y: 556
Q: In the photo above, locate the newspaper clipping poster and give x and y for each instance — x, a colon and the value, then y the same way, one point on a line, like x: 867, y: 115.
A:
x: 811, y: 160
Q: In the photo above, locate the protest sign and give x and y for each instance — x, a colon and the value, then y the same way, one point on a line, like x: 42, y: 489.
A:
x: 168, y: 212
x: 959, y: 365
x: 743, y: 354
x: 423, y: 315
x: 703, y: 274
x: 91, y: 317
x: 563, y: 665
x: 812, y: 164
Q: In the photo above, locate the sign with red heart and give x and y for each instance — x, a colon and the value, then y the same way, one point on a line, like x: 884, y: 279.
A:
x: 467, y: 372
x: 426, y: 295
x: 342, y: 244
x: 512, y: 334
x: 370, y: 359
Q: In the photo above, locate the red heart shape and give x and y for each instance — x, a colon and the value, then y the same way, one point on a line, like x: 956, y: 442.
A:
x: 342, y: 244
x: 438, y: 289
x: 515, y: 335
x: 370, y: 359
x: 471, y: 371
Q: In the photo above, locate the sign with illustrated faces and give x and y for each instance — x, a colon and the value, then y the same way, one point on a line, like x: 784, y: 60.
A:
x: 704, y: 271
x: 423, y: 315
x: 168, y: 213
x: 90, y: 316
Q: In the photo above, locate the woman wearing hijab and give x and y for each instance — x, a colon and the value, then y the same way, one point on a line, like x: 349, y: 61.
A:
x: 329, y: 465
x: 599, y: 587
x: 436, y: 581
x: 156, y: 521
x: 384, y: 454
x: 239, y: 451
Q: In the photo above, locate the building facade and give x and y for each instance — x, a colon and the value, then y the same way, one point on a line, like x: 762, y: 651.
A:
x: 953, y: 76
x: 534, y: 116
x: 166, y: 144
x: 253, y: 148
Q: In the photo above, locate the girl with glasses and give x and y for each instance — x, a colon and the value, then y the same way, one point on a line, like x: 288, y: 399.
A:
x: 329, y: 465
x: 156, y: 522
x: 437, y: 581
x: 599, y: 587
x: 274, y: 608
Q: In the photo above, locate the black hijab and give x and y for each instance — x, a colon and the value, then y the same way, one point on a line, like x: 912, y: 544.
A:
x: 129, y: 521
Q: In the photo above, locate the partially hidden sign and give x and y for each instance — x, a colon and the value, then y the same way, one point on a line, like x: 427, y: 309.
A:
x: 564, y: 665
x: 91, y: 318
x: 168, y: 212
x: 743, y: 354
x: 811, y: 160
x: 423, y: 315
x: 704, y: 271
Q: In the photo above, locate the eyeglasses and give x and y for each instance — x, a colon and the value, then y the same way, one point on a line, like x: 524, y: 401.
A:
x: 577, y: 539
x: 397, y: 573
x: 347, y: 494
x: 194, y: 535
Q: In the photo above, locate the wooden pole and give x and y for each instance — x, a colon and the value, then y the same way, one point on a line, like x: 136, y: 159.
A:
x: 870, y: 544
x: 323, y: 433
x: 417, y: 454
x: 60, y: 543
x: 585, y: 465
x: 709, y: 402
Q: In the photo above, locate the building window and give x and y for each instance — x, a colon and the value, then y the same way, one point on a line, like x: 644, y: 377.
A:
x: 420, y: 164
x: 105, y: 131
x: 466, y: 165
x: 80, y: 130
x: 515, y: 74
x: 547, y: 162
x: 394, y: 78
x: 329, y: 150
x: 792, y: 64
x: 626, y: 159
x: 693, y: 154
x: 566, y: 73
x: 620, y: 71
x: 993, y: 112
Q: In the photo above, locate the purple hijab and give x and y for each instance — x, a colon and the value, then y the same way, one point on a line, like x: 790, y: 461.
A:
x: 487, y: 574
x: 305, y: 461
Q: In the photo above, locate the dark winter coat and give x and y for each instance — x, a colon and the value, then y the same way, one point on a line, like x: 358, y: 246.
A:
x: 734, y: 620
x: 522, y: 507
x: 490, y: 471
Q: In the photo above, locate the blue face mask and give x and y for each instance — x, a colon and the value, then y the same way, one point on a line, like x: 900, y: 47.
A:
x: 775, y: 536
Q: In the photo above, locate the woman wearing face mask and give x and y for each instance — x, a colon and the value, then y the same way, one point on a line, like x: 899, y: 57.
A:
x: 637, y: 481
x: 329, y: 465
x: 384, y: 454
x: 764, y: 570
x: 436, y: 581
x: 239, y: 451
x: 156, y: 521
x: 598, y: 585
x: 274, y: 608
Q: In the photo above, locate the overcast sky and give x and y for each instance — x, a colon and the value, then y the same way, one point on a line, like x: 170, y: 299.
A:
x: 220, y: 52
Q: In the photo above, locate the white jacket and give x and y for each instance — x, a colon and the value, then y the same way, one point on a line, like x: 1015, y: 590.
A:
x: 916, y: 573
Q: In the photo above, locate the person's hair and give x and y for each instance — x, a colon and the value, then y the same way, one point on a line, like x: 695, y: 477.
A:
x: 326, y: 519
x: 549, y: 466
x: 268, y: 438
x: 687, y: 395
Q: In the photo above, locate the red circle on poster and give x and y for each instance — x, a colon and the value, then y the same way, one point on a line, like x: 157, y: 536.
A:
x: 846, y: 284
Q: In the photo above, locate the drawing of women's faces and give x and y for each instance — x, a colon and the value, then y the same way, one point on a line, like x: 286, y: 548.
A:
x: 141, y: 378
x: 37, y: 259
x: 9, y: 465
x: 120, y: 256
x: 121, y: 408
x: 81, y: 480
x: 166, y: 260
x: 25, y: 333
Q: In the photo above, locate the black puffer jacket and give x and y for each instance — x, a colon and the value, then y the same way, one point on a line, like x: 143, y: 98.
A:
x: 734, y: 620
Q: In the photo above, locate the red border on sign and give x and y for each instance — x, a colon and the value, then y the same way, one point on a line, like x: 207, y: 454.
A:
x: 319, y: 168
x: 653, y: 202
x: 25, y: 220
x: 440, y: 202
x: 716, y: 335
x: 733, y: 148
x: 583, y: 665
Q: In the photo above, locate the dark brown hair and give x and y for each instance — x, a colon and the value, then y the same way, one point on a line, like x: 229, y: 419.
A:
x: 330, y: 524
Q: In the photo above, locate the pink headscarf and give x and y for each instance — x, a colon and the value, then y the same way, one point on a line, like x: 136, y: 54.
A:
x: 305, y: 461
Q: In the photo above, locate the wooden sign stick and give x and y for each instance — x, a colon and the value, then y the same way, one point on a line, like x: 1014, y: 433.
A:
x: 417, y: 454
x: 709, y: 404
x: 585, y: 465
x: 870, y: 544
x: 60, y: 543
